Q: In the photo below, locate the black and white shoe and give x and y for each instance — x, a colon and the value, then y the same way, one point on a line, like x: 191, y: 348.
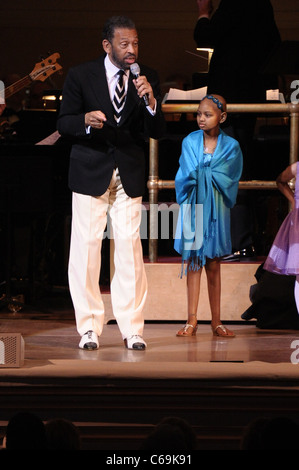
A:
x: 135, y: 342
x: 89, y: 341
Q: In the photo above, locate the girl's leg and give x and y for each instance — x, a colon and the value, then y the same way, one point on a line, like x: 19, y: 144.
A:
x: 193, y: 288
x: 214, y: 290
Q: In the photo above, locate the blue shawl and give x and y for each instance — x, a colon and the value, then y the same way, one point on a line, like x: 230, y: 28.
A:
x: 195, y: 183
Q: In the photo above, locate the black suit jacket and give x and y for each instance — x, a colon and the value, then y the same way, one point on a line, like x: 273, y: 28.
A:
x: 95, y: 155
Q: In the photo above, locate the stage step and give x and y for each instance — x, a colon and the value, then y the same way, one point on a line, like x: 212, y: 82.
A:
x: 167, y: 300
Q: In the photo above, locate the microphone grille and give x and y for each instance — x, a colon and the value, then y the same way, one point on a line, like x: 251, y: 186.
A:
x: 135, y: 69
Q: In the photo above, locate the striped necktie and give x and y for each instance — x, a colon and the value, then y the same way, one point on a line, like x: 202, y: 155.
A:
x: 119, y: 97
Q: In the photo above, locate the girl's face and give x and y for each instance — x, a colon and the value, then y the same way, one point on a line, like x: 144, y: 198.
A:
x: 209, y: 116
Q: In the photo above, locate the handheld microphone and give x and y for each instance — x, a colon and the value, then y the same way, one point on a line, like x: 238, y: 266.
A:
x: 135, y: 69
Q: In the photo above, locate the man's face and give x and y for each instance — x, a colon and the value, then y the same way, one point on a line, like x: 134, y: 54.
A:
x: 123, y: 49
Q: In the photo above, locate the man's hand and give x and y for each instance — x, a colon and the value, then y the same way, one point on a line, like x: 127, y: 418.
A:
x: 143, y: 87
x: 95, y: 119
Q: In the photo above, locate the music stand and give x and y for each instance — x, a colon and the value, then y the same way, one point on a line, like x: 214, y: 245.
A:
x: 25, y: 187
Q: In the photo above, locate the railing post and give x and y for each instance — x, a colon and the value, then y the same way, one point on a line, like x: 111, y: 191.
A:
x: 153, y: 190
x: 294, y: 134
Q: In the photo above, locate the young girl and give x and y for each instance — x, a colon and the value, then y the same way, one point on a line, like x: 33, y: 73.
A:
x: 283, y: 257
x: 206, y: 189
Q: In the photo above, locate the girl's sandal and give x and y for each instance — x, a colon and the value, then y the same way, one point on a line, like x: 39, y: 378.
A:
x: 222, y: 331
x: 188, y: 329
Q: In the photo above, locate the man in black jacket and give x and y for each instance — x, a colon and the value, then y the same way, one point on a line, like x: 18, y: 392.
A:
x: 107, y: 175
x: 243, y: 36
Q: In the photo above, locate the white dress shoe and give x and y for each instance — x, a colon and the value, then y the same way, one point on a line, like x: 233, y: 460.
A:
x: 135, y: 342
x: 89, y: 341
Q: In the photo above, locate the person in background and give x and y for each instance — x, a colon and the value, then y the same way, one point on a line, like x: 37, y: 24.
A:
x: 283, y: 257
x: 25, y: 431
x: 62, y: 434
x: 172, y: 433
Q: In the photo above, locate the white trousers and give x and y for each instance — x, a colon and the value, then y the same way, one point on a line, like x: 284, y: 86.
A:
x: 128, y: 278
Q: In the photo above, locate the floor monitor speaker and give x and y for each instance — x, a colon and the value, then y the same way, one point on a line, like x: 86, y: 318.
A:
x: 11, y: 350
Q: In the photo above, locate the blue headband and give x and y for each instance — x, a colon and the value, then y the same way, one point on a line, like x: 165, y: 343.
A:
x: 215, y: 100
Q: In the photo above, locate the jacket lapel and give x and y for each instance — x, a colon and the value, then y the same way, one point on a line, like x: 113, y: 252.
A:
x: 99, y: 86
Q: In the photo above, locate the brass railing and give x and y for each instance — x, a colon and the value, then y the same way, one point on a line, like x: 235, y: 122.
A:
x: 155, y: 184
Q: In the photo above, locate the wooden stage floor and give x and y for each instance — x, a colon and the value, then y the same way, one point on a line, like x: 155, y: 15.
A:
x: 50, y: 338
x: 116, y: 396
